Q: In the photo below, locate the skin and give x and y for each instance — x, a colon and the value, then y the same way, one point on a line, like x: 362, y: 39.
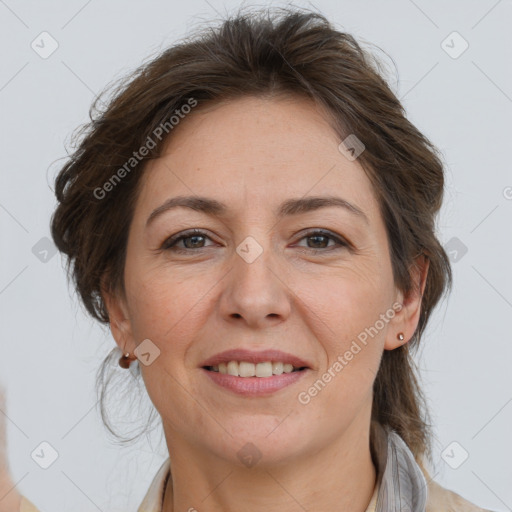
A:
x: 300, y: 295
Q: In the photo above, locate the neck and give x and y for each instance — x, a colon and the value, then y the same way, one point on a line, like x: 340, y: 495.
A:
x: 341, y: 477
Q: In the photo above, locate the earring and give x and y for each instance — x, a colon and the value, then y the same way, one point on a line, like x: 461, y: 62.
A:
x: 400, y: 336
x: 125, y: 360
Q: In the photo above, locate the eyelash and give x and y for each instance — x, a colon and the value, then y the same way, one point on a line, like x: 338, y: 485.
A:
x: 170, y: 243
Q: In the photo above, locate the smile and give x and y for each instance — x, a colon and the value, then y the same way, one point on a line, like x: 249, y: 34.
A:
x: 253, y: 385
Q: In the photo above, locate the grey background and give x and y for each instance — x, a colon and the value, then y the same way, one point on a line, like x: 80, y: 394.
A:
x: 51, y: 349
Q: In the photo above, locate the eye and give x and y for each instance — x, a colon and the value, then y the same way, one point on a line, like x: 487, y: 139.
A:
x: 186, y: 241
x: 192, y: 240
x: 320, y: 239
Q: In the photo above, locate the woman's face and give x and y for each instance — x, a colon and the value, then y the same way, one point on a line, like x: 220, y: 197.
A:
x: 317, y: 296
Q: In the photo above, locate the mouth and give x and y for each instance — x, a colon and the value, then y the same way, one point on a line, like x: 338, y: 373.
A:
x: 254, y: 380
x: 260, y: 370
x: 248, y: 363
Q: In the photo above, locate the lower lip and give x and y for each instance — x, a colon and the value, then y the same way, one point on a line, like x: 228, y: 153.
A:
x: 254, y: 386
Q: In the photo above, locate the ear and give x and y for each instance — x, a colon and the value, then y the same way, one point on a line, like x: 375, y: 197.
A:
x: 120, y: 325
x: 406, y: 319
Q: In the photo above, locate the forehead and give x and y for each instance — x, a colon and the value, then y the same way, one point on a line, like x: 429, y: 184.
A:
x: 259, y: 149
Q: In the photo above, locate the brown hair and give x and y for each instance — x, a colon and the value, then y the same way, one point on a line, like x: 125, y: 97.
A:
x: 285, y: 51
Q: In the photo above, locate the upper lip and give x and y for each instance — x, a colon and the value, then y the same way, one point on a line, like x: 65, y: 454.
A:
x: 250, y: 356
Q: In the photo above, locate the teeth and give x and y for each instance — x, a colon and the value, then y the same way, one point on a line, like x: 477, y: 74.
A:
x: 233, y: 368
x: 245, y: 369
x: 277, y: 368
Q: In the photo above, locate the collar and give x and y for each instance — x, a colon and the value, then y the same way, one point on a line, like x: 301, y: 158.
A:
x: 401, y: 481
x: 152, y: 502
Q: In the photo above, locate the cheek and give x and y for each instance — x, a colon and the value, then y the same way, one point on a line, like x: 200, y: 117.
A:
x: 169, y: 312
x: 345, y: 303
x: 163, y: 308
x: 342, y: 313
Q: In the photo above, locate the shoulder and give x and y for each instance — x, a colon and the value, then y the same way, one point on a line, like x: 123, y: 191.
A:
x: 152, y: 501
x: 440, y: 499
x: 399, y: 469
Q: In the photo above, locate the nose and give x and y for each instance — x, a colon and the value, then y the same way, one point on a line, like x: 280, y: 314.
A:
x: 255, y: 294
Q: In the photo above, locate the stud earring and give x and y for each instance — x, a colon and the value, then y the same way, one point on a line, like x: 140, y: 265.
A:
x: 400, y: 336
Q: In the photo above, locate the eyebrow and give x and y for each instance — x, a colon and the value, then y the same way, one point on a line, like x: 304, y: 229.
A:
x: 289, y: 207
